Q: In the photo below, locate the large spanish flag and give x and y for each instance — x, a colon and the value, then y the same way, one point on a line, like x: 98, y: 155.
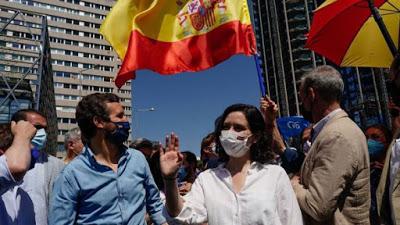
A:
x: 172, y: 36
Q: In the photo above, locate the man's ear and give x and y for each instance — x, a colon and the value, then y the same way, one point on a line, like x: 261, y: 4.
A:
x: 98, y: 122
x: 70, y: 145
x: 1, y: 152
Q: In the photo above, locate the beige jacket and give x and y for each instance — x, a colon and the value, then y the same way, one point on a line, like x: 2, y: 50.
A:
x: 335, y: 176
x: 382, y: 192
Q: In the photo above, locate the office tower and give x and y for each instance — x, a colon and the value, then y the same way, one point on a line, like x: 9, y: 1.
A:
x: 281, y: 30
x: 82, y: 61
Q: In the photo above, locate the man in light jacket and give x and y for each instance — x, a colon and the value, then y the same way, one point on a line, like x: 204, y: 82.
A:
x: 333, y: 187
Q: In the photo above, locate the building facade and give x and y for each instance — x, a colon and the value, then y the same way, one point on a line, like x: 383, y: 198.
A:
x: 281, y: 30
x: 82, y: 61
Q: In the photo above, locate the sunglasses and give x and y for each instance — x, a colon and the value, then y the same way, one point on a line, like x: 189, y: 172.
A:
x: 38, y: 127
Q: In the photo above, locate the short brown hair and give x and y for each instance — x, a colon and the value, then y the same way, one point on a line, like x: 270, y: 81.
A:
x: 6, y: 136
x: 90, y: 106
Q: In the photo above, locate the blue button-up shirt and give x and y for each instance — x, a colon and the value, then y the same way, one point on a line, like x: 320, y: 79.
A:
x: 87, y: 192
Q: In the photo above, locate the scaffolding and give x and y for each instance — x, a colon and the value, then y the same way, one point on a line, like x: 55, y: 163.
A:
x: 25, y: 69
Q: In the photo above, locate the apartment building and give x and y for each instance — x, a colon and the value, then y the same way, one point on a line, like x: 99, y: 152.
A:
x: 82, y: 61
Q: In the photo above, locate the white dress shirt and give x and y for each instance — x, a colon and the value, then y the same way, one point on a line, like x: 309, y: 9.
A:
x: 266, y: 198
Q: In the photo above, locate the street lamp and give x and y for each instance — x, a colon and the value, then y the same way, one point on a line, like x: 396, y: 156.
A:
x: 150, y: 109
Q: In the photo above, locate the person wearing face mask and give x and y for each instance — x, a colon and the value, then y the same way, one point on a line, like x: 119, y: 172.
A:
x: 15, y: 149
x: 107, y: 183
x: 25, y: 201
x: 378, y: 138
x: 246, y: 189
x: 208, y: 152
x: 333, y: 187
x: 187, y: 172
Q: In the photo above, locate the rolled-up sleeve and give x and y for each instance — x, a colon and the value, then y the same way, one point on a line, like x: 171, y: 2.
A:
x: 63, y: 203
x: 6, y: 179
x: 194, y: 210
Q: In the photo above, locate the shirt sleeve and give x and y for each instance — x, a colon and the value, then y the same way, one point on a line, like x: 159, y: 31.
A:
x: 154, y: 205
x: 194, y: 210
x: 63, y: 203
x: 288, y: 208
x: 6, y: 179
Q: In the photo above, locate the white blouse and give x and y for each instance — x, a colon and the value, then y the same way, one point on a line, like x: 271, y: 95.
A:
x: 266, y: 198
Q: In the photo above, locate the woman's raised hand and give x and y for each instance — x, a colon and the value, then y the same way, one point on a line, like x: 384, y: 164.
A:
x: 170, y: 157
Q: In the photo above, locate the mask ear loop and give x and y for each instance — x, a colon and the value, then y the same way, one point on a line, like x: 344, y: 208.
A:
x: 254, y: 140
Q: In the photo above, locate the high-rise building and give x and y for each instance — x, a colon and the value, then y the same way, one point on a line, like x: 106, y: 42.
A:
x: 281, y: 31
x: 82, y: 61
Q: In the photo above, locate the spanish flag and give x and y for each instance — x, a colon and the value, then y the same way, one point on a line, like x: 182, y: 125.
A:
x: 173, y: 36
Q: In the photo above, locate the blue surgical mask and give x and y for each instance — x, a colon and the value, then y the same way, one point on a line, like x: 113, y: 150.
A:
x: 39, y: 140
x: 121, y: 134
x: 375, y: 148
x: 182, y: 173
x: 35, y: 154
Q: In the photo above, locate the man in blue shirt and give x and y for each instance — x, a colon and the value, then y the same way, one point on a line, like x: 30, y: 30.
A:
x: 108, y: 183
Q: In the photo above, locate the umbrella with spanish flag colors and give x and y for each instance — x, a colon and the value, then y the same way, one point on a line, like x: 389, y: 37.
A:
x: 345, y: 32
x: 172, y: 36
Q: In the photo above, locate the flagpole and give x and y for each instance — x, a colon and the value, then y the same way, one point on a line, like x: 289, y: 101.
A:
x: 260, y: 77
x: 261, y: 81
x: 132, y: 119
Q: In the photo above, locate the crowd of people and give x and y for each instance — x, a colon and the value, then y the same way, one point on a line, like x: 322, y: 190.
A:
x: 246, y: 174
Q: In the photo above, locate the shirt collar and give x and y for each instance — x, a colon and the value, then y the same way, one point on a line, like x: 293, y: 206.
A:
x: 254, y: 166
x: 317, y: 128
x: 88, y: 154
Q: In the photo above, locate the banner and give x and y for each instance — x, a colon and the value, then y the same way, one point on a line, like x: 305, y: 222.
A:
x: 291, y: 126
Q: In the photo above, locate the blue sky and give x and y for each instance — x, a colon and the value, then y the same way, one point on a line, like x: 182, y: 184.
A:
x: 188, y: 103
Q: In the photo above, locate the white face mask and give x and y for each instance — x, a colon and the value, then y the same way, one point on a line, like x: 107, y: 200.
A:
x: 232, y: 146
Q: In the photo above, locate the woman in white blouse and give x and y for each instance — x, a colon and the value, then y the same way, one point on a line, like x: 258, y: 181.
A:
x: 245, y: 190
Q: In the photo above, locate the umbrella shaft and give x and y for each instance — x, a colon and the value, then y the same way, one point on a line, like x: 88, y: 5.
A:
x: 382, y: 27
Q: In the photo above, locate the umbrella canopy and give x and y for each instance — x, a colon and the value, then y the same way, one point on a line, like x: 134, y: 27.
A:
x: 345, y: 32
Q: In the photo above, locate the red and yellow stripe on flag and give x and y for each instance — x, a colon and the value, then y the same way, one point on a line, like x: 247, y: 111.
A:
x: 172, y: 36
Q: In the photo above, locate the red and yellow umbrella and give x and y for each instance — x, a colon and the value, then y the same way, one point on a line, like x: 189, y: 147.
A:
x: 345, y: 32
